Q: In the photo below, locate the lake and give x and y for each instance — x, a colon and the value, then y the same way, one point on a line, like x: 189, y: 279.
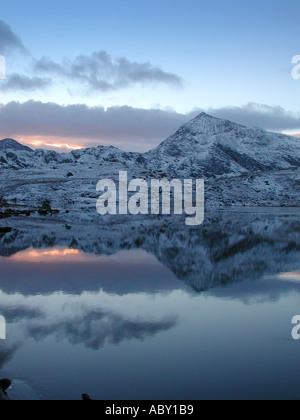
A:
x: 153, y: 310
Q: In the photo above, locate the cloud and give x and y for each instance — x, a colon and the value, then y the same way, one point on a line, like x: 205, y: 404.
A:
x: 92, y: 327
x: 9, y: 40
x: 7, y: 353
x: 257, y: 292
x: 100, y: 72
x: 14, y: 314
x: 24, y: 83
x: 120, y: 126
x: 125, y: 127
x: 293, y: 134
x: 273, y: 118
x: 86, y: 74
x: 97, y: 327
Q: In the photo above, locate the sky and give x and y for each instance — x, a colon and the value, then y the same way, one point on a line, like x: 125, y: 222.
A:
x: 129, y: 73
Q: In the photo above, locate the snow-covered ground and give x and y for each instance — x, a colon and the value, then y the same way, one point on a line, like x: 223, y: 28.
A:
x: 242, y: 167
x: 76, y: 196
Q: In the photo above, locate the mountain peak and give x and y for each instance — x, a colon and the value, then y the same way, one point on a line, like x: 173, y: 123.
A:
x: 204, y: 115
x: 13, y: 145
x: 205, y: 119
x: 212, y: 147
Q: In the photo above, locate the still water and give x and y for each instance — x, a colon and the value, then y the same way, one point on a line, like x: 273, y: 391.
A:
x: 171, y: 314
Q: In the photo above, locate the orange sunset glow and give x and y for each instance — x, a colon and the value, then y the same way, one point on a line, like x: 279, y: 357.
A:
x: 292, y: 276
x: 292, y: 134
x: 55, y: 254
x: 58, y: 146
x: 36, y: 142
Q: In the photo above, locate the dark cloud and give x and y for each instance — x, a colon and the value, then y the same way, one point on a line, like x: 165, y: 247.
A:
x: 257, y: 292
x: 15, y: 314
x: 9, y: 40
x: 100, y: 72
x: 116, y: 125
x: 22, y: 83
x: 96, y: 328
x: 124, y: 126
x: 273, y: 118
x: 7, y: 353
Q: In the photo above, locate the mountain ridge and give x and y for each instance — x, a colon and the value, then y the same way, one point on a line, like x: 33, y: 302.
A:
x: 12, y: 144
x: 206, y: 147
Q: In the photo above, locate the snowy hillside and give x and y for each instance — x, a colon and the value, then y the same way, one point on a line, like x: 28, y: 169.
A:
x: 204, y: 147
x: 211, y: 147
x: 242, y: 167
x: 10, y: 144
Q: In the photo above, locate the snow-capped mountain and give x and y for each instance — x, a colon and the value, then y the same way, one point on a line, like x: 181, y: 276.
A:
x: 211, y: 147
x: 10, y: 144
x: 204, y: 147
x: 20, y: 157
x: 107, y: 154
x: 242, y: 166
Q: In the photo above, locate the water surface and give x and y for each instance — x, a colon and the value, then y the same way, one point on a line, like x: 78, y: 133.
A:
x: 153, y: 312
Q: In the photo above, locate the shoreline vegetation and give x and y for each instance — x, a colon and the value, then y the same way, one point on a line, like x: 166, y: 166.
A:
x: 8, y: 210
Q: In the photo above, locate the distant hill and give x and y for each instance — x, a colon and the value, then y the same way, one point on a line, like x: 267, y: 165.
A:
x: 241, y: 166
x: 205, y: 147
x: 10, y: 144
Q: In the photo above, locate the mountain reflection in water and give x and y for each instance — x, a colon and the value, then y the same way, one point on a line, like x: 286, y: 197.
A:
x: 154, y: 310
